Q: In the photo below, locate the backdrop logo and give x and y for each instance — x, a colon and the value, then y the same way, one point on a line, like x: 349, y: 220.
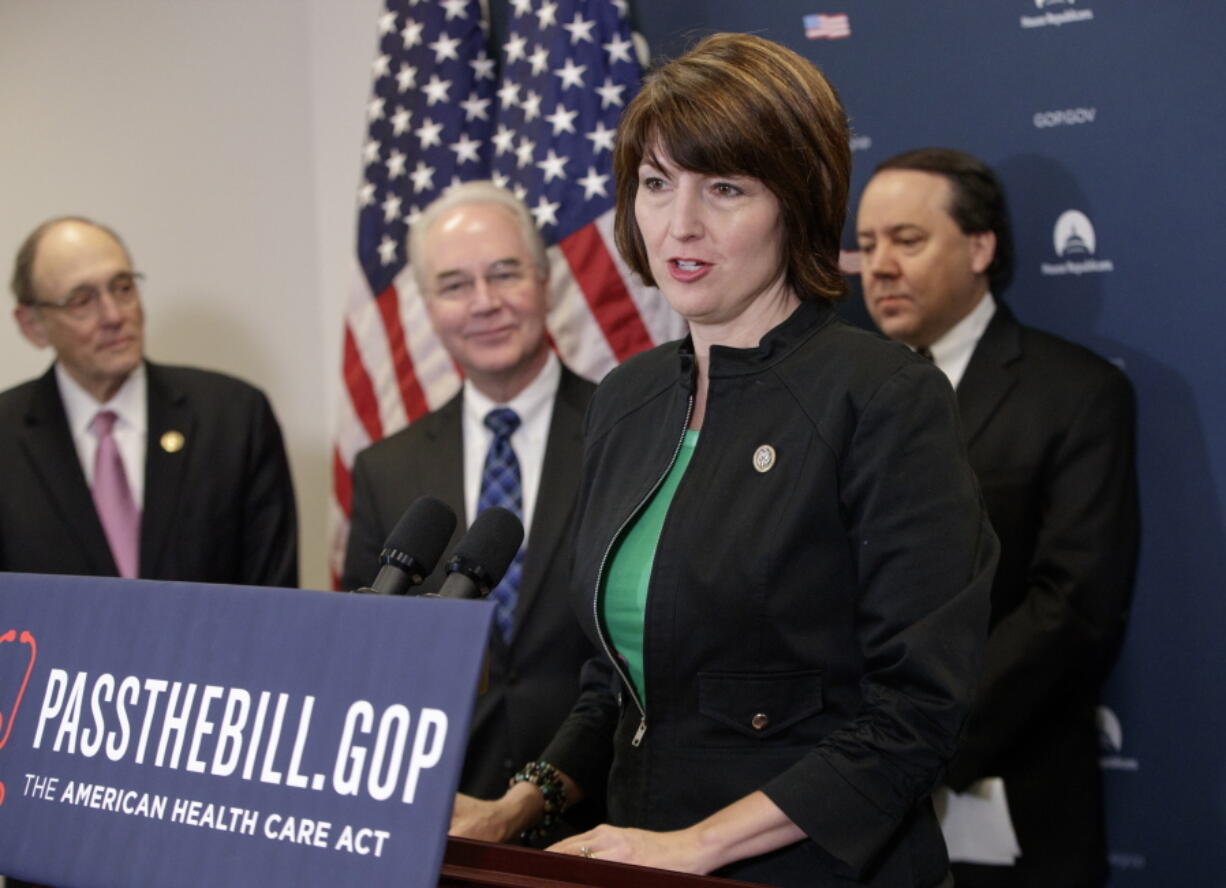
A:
x: 1064, y: 117
x: 1052, y: 17
x: 827, y: 27
x: 14, y: 682
x: 1076, y: 244
x: 1111, y: 742
x: 861, y: 143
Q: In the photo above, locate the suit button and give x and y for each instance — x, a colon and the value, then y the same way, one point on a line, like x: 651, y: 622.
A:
x: 760, y: 721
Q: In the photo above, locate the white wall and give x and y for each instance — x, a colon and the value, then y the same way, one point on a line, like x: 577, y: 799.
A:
x: 222, y: 140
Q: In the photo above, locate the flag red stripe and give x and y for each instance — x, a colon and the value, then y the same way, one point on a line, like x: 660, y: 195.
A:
x: 342, y: 482
x: 606, y: 292
x: 411, y: 393
x: 361, y: 389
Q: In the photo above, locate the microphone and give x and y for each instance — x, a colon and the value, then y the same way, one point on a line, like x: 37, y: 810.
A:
x: 413, y: 547
x: 483, y: 554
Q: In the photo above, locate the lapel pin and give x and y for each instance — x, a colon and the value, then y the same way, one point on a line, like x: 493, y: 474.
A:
x: 764, y: 458
x: 172, y: 442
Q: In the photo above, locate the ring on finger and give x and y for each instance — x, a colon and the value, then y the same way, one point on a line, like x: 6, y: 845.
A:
x: 585, y: 851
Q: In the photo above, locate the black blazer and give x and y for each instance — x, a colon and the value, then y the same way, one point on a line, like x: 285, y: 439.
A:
x: 532, y: 682
x: 218, y: 510
x: 1049, y: 428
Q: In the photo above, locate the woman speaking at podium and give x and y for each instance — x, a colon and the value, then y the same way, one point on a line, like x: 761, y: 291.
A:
x: 780, y: 548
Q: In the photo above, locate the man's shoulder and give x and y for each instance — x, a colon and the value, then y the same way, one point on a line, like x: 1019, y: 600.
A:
x: 1077, y: 366
x: 417, y: 437
x: 206, y: 388
x: 16, y: 401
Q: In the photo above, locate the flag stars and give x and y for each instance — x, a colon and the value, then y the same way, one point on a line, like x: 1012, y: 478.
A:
x: 593, y: 184
x: 370, y: 151
x: 532, y: 106
x: 411, y: 34
x: 602, y: 137
x: 391, y: 208
x: 610, y: 93
x: 522, y: 7
x: 483, y: 66
x: 515, y: 47
x: 406, y: 78
x: 571, y: 74
x: 423, y: 177
x: 618, y: 49
x: 520, y: 191
x: 504, y: 139
x: 428, y: 133
x: 539, y: 60
x: 374, y: 110
x: 436, y: 90
x: 445, y: 48
x: 395, y: 164
x: 366, y: 194
x: 508, y: 93
x: 547, y: 15
x: 545, y: 212
x: 387, y: 23
x: 523, y: 153
x: 455, y: 9
x: 553, y: 167
x: 387, y: 250
x: 381, y: 66
x: 500, y: 179
x: 400, y: 121
x: 466, y: 149
x: 580, y: 29
x: 562, y: 120
x: 475, y: 107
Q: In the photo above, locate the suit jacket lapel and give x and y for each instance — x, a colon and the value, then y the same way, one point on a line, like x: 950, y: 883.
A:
x: 165, y: 466
x: 560, y: 476
x: 990, y: 375
x: 47, y: 442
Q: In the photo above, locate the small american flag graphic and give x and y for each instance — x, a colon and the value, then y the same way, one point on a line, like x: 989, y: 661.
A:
x: 537, y: 116
x: 830, y: 27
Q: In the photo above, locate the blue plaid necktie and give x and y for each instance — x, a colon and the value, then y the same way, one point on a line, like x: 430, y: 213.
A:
x: 501, y: 485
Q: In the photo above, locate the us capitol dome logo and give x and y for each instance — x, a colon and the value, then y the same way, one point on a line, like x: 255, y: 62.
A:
x: 1075, y: 244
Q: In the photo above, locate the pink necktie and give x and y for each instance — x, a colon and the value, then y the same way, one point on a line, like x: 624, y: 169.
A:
x: 117, y: 510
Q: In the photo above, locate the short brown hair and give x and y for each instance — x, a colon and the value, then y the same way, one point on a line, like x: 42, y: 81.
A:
x: 737, y: 104
x: 976, y: 200
x: 23, y: 266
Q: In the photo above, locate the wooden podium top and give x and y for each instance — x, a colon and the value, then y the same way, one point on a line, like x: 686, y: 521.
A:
x: 468, y: 863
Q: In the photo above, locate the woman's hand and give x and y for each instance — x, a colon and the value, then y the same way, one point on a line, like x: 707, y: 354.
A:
x: 497, y: 820
x: 679, y: 850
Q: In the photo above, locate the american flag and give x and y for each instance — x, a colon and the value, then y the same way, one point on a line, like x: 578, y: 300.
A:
x: 827, y: 26
x: 538, y: 118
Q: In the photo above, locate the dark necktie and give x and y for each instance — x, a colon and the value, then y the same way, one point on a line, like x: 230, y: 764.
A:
x: 501, y: 485
x: 117, y: 509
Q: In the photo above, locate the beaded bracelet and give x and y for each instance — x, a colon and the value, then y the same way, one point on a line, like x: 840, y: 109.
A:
x: 546, y: 778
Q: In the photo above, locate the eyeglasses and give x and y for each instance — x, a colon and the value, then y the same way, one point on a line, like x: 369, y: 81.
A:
x: 460, y: 287
x: 83, y: 302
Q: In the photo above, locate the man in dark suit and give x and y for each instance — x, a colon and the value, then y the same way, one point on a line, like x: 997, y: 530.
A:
x: 194, y: 459
x: 1049, y: 429
x: 482, y: 269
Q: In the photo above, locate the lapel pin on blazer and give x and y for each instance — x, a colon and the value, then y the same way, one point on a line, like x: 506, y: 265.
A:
x: 764, y: 458
x: 172, y: 441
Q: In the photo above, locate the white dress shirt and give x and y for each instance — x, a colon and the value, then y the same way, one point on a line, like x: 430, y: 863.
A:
x: 131, y: 410
x: 952, y: 352
x: 535, y: 408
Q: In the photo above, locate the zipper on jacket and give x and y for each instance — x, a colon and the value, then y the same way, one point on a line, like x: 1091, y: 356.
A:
x: 604, y: 560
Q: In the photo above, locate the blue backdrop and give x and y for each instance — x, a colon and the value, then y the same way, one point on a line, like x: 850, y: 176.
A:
x: 1110, y: 109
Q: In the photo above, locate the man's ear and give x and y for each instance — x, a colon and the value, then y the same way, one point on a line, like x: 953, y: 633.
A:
x: 983, y: 250
x: 31, y: 325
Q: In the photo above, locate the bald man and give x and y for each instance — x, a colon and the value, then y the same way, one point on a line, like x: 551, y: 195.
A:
x: 112, y: 465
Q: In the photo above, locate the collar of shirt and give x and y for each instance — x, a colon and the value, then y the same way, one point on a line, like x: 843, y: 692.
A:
x: 131, y: 408
x: 535, y: 408
x: 952, y: 352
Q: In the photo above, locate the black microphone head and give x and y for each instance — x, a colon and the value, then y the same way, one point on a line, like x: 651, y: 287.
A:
x: 417, y: 541
x: 486, y: 551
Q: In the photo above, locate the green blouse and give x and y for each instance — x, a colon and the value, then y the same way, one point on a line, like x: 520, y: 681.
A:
x: 624, y: 597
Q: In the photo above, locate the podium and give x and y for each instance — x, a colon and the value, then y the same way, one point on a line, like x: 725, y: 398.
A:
x: 470, y: 864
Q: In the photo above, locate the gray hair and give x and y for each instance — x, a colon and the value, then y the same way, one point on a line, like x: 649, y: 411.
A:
x: 477, y: 192
x: 23, y: 266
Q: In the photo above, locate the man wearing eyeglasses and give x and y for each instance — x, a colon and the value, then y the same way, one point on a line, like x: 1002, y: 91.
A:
x: 112, y: 465
x: 511, y: 437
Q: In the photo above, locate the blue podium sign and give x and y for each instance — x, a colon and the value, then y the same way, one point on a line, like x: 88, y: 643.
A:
x: 188, y: 734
